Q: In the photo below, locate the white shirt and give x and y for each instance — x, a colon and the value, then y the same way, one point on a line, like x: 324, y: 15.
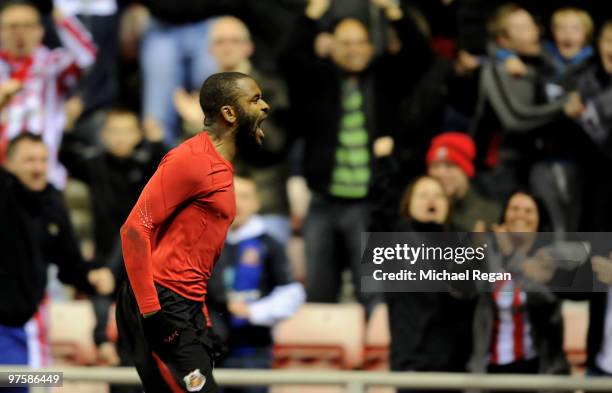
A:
x: 87, y: 7
x: 511, y: 316
x: 604, y: 357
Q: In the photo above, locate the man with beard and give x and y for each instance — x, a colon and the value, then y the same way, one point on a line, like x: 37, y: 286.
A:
x: 174, y: 235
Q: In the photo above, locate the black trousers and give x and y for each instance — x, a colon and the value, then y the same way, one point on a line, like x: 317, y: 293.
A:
x: 189, y: 367
x: 521, y: 367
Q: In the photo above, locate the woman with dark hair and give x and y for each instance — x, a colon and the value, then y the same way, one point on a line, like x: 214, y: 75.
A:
x: 518, y: 326
x: 430, y: 331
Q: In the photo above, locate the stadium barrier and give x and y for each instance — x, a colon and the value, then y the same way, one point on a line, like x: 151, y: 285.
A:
x: 353, y: 381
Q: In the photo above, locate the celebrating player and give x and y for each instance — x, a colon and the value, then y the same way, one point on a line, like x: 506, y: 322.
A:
x: 174, y: 235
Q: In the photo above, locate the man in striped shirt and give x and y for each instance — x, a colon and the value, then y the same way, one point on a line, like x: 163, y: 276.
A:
x: 35, y: 80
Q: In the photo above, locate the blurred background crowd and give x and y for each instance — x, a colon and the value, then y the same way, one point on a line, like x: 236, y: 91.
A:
x: 386, y: 115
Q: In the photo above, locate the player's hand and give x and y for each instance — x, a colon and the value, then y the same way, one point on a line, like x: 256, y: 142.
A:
x: 602, y: 267
x: 107, y: 354
x: 161, y: 333
x: 102, y: 280
x: 239, y: 309
x: 317, y: 8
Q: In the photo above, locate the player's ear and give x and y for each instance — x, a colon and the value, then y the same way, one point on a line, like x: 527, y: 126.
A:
x: 229, y: 114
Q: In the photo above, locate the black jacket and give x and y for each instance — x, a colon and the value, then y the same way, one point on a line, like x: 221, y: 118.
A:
x: 115, y: 185
x: 35, y: 231
x: 315, y: 93
x: 430, y: 331
x: 188, y: 11
x: 595, y: 87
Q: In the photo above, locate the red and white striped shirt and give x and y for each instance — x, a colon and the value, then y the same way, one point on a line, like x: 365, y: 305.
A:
x: 47, y: 76
x: 511, y: 340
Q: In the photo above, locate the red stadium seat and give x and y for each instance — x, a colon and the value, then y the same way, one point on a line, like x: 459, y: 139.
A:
x: 377, y: 340
x: 321, y: 335
x: 576, y: 321
x: 71, y: 327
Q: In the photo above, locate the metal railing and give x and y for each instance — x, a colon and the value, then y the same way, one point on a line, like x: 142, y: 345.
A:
x: 353, y: 381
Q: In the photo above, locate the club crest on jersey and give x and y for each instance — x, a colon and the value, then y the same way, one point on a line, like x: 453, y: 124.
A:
x: 194, y: 381
x: 251, y: 257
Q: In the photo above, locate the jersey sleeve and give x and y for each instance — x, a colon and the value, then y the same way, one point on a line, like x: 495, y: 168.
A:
x: 178, y: 180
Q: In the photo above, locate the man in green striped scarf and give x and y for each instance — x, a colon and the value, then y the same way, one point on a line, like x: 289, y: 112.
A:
x: 339, y: 97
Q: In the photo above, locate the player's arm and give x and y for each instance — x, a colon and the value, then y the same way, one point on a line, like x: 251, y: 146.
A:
x: 175, y: 183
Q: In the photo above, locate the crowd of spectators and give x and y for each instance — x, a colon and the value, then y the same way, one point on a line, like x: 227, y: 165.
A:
x: 411, y: 115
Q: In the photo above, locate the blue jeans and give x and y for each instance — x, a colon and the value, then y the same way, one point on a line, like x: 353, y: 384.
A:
x: 259, y: 359
x: 13, y: 350
x: 172, y: 56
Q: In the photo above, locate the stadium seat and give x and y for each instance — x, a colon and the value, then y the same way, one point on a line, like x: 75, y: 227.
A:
x: 377, y: 339
x: 321, y: 335
x: 71, y: 327
x: 576, y: 321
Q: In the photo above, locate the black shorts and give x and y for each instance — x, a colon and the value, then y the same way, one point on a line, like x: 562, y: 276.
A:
x: 185, y: 368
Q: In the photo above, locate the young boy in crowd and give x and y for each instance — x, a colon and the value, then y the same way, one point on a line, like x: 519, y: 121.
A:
x: 115, y: 176
x: 572, y: 32
x: 117, y: 173
x: 251, y: 288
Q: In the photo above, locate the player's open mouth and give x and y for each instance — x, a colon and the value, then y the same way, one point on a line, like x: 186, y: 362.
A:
x: 258, y: 130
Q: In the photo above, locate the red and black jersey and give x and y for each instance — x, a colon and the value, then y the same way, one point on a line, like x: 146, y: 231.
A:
x: 175, y: 232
